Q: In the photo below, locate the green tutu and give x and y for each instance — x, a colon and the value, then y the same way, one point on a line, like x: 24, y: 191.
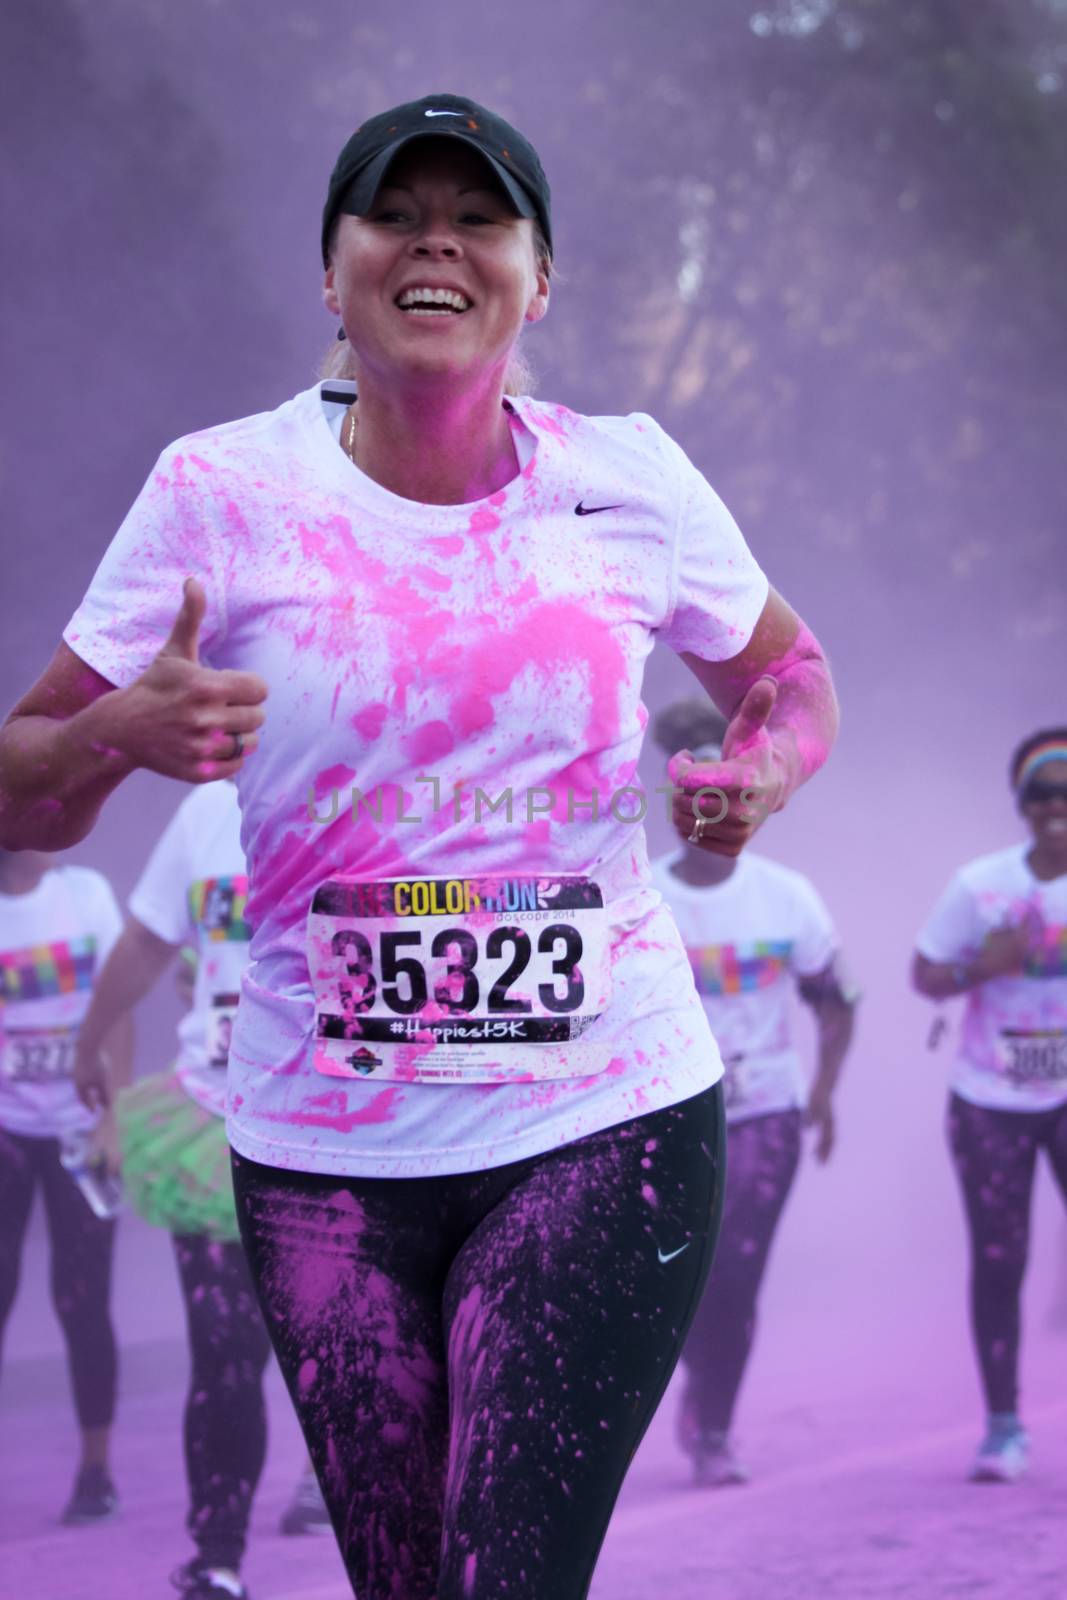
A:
x: 175, y: 1159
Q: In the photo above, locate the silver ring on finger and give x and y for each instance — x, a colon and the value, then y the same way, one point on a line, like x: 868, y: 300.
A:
x: 699, y: 824
x: 238, y: 747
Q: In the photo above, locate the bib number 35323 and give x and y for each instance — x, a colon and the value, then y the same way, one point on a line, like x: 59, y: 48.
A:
x: 468, y: 980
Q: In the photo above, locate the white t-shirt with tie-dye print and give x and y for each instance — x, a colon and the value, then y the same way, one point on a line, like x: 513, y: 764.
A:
x: 1012, y: 1053
x: 53, y: 945
x: 193, y: 890
x: 416, y: 654
x: 748, y: 940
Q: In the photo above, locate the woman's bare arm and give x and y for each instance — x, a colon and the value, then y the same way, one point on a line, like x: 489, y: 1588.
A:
x: 73, y: 738
x: 779, y: 697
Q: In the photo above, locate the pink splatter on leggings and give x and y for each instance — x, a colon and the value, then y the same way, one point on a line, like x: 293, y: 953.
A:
x: 995, y: 1155
x: 474, y: 1359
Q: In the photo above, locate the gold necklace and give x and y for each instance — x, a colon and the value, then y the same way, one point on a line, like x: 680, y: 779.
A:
x: 350, y: 443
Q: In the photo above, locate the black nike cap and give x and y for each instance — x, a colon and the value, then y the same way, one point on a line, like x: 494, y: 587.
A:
x: 362, y: 164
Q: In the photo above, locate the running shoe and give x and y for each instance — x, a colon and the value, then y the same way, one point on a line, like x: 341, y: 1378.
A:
x: 196, y: 1581
x: 93, y: 1498
x: 1003, y: 1455
x: 715, y: 1465
x: 306, y: 1511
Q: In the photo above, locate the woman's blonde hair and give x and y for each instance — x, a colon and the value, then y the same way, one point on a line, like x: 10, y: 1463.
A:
x: 520, y: 377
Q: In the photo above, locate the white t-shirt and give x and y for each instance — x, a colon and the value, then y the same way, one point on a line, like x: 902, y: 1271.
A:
x: 412, y: 651
x: 748, y: 939
x: 53, y: 945
x: 1012, y: 1053
x: 194, y: 890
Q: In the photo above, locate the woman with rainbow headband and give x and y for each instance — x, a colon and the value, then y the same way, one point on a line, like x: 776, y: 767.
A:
x: 999, y: 935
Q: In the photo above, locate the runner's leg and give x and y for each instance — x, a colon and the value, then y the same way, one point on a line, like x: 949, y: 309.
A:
x: 995, y: 1155
x: 225, y: 1421
x: 350, y: 1274
x: 762, y: 1158
x: 18, y: 1174
x: 82, y: 1246
x: 566, y: 1311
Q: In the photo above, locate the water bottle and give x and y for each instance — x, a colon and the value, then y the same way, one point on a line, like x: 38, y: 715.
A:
x: 102, y: 1189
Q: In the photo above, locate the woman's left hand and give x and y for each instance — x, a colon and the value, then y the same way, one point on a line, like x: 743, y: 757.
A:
x: 746, y: 780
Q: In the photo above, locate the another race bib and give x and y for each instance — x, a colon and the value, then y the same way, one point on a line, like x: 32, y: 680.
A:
x: 1027, y: 1056
x: 457, y: 980
x: 37, y: 1055
x: 220, y: 1019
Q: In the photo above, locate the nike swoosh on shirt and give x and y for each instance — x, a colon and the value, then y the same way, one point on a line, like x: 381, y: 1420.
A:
x: 671, y: 1254
x: 582, y: 510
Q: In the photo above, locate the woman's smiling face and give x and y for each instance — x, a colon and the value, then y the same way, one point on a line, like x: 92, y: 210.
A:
x: 440, y: 276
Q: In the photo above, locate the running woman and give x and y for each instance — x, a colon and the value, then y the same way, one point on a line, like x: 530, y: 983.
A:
x: 57, y: 926
x: 998, y: 935
x: 175, y: 1161
x: 474, y: 1100
x: 754, y: 932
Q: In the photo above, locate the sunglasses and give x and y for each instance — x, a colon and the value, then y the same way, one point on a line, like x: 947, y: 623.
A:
x: 1037, y: 792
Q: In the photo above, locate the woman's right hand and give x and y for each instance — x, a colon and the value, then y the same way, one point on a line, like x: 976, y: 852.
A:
x: 179, y: 718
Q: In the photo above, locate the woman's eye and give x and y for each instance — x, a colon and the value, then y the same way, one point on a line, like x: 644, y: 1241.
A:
x: 477, y: 217
x: 390, y: 216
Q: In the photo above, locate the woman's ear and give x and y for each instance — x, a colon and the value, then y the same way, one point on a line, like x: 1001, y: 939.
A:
x: 539, y: 299
x: 329, y: 292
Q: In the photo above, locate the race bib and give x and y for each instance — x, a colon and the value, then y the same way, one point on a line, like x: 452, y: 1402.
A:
x: 1032, y: 1057
x: 37, y: 1055
x: 220, y: 1019
x: 457, y: 980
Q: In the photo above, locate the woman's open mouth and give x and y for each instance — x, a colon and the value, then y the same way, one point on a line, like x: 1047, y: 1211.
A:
x: 427, y: 302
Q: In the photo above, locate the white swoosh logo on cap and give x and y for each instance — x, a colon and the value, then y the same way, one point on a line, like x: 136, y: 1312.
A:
x: 442, y: 113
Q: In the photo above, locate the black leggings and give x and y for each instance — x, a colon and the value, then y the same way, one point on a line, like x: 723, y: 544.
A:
x: 225, y: 1423
x: 474, y: 1359
x: 763, y: 1153
x: 995, y: 1153
x: 81, y: 1245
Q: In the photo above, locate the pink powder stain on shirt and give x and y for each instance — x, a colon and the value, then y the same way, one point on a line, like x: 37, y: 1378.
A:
x: 337, y: 777
x: 370, y: 720
x: 472, y: 713
x: 382, y: 1108
x: 447, y: 544
x: 558, y: 422
x: 484, y: 522
x: 438, y: 581
x: 429, y: 742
